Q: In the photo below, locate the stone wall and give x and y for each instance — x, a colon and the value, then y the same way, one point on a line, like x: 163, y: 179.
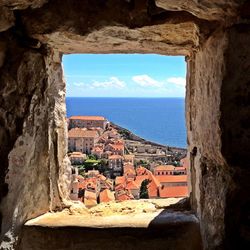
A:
x: 33, y: 129
x: 209, y: 179
x: 217, y: 117
x: 235, y: 136
x: 214, y: 37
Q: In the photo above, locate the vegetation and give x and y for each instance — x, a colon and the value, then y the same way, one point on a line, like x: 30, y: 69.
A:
x: 90, y: 164
x: 176, y: 163
x: 92, y: 157
x: 125, y: 133
x: 81, y: 169
x: 143, y: 163
x: 144, y: 189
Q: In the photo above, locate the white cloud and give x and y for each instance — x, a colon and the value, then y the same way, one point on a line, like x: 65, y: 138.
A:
x: 180, y: 81
x: 146, y: 81
x: 113, y: 82
x: 79, y: 84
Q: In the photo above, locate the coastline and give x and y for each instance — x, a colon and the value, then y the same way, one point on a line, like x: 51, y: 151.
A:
x: 133, y: 137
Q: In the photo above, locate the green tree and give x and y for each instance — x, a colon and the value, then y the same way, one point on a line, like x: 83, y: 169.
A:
x: 144, y: 189
x: 92, y: 157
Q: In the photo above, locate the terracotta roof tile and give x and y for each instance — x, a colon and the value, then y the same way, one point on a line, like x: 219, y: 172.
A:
x: 114, y: 157
x: 173, y: 192
x: 106, y: 195
x: 141, y: 171
x: 82, y: 133
x: 132, y: 185
x: 119, y: 180
x: 171, y: 178
x: 164, y: 168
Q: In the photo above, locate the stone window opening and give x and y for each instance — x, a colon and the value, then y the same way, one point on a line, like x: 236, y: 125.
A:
x: 34, y: 169
x: 161, y: 196
x: 75, y: 210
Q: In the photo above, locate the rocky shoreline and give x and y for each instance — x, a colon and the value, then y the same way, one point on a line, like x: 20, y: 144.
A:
x: 128, y: 135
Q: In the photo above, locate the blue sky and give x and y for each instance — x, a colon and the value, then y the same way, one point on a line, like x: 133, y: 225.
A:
x: 124, y: 75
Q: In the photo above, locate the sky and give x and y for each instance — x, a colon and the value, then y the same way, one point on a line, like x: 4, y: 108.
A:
x: 124, y: 75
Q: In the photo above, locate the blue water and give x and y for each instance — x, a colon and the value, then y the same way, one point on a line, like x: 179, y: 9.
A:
x: 160, y: 120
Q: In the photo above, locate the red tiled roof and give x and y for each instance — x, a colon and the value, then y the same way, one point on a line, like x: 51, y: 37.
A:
x: 97, y: 149
x: 141, y: 171
x: 171, y: 178
x: 77, y: 154
x: 154, y: 180
x: 173, y: 192
x: 129, y: 171
x: 117, y: 146
x: 180, y: 169
x: 106, y: 195
x: 119, y: 180
x: 81, y: 185
x: 114, y: 157
x: 101, y: 177
x: 164, y: 168
x: 82, y: 133
x: 123, y: 197
x: 90, y: 198
x: 132, y: 185
x: 88, y: 118
x: 120, y: 186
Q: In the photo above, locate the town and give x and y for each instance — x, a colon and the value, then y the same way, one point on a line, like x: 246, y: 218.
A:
x: 109, y: 163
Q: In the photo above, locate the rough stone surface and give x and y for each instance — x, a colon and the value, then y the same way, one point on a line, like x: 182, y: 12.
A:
x: 235, y: 125
x: 171, y: 237
x: 204, y: 9
x: 163, y: 38
x: 6, y: 18
x: 214, y: 37
x: 209, y: 181
x: 133, y: 224
x: 22, y: 4
x: 218, y: 140
x: 33, y: 124
x: 140, y: 29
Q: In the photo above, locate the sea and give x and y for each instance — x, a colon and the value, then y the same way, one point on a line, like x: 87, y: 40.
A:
x: 161, y: 120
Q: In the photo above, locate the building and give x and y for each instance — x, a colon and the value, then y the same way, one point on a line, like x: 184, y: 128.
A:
x: 87, y: 122
x: 164, y: 170
x: 180, y: 171
x: 90, y: 198
x: 106, y: 196
x: 122, y: 194
x: 172, y: 180
x: 82, y: 140
x: 141, y: 171
x: 116, y: 164
x: 134, y: 189
x: 184, y: 162
x: 97, y: 151
x: 129, y: 172
x: 117, y: 148
x: 173, y: 192
x: 74, y: 187
x: 77, y: 158
x: 129, y: 158
x: 169, y: 170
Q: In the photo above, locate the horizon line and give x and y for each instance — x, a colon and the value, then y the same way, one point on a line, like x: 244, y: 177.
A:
x: 125, y: 97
